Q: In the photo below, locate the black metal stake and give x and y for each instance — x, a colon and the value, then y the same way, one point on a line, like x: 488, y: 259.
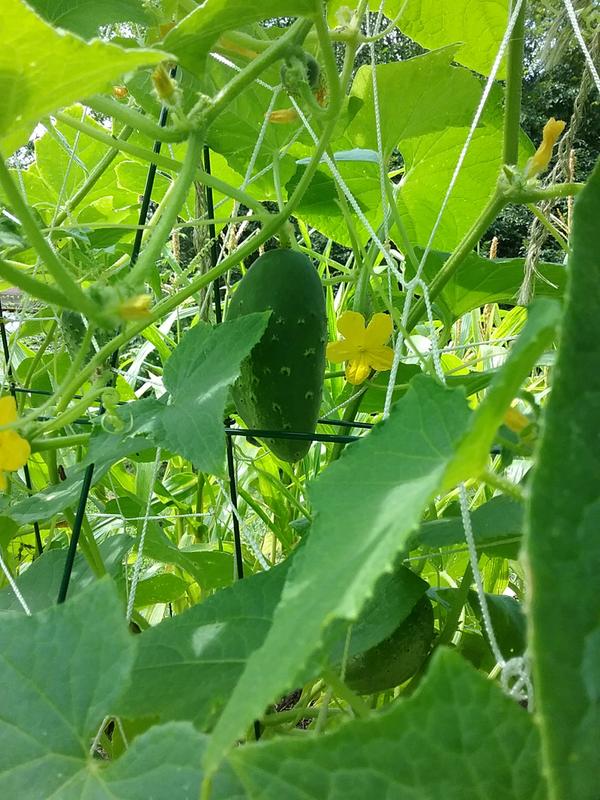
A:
x: 135, y: 251
x: 13, y: 391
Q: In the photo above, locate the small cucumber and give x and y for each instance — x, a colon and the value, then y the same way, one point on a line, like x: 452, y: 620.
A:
x: 397, y: 658
x: 281, y: 381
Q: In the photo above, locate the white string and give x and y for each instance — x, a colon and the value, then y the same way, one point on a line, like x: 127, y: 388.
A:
x: 14, y: 587
x: 382, y: 167
x: 459, y: 164
x: 349, y: 196
x: 579, y: 36
x: 140, y: 553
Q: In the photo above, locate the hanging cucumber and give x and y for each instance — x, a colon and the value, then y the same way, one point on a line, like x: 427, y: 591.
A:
x: 281, y: 381
x: 397, y: 658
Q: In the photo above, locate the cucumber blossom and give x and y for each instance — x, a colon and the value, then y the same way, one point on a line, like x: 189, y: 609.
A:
x: 397, y: 658
x: 281, y: 381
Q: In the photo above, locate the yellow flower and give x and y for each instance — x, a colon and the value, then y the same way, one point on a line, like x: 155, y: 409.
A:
x: 14, y: 450
x: 136, y: 307
x: 541, y: 158
x: 362, y: 348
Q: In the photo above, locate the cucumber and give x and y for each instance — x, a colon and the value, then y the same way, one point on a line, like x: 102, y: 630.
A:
x: 281, y: 381
x: 397, y: 658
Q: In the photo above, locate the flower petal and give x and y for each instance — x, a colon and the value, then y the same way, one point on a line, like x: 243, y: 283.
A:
x: 3, y: 482
x: 380, y: 358
x: 541, y: 158
x: 379, y: 330
x: 357, y: 370
x: 14, y: 451
x: 341, y: 351
x: 351, y: 325
x: 8, y: 409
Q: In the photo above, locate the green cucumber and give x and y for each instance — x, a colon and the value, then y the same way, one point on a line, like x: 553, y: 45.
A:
x: 281, y: 381
x: 397, y: 658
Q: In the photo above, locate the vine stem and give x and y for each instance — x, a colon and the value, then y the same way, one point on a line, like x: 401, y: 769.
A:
x: 485, y: 219
x: 513, y: 90
x: 179, y: 189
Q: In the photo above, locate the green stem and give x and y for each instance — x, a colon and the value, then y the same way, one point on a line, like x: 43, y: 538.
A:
x: 458, y: 602
x: 356, y: 703
x: 535, y: 194
x: 177, y: 196
x: 483, y: 222
x: 295, y: 35
x: 129, y: 116
x: 548, y: 226
x: 513, y: 89
x: 164, y: 162
x: 33, y: 287
x: 49, y: 337
x: 75, y: 296
x: 503, y: 485
x: 56, y: 442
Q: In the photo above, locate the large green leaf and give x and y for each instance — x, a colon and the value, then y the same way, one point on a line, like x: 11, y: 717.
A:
x: 42, y: 70
x: 563, y: 541
x: 497, y: 529
x: 86, y: 16
x: 65, y: 668
x: 366, y: 504
x: 198, y: 375
x: 480, y: 280
x: 193, y: 37
x: 40, y: 582
x: 443, y: 95
x: 203, y: 651
x: 478, y: 25
x: 457, y: 738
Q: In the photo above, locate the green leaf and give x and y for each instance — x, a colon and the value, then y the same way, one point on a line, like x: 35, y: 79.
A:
x: 193, y: 37
x: 508, y: 622
x: 473, y: 452
x: 458, y: 737
x: 366, y: 505
x: 42, y: 70
x: 84, y: 17
x: 210, y: 568
x: 212, y: 640
x: 65, y: 668
x: 480, y: 280
x: 444, y: 97
x: 562, y: 542
x: 163, y: 588
x: 40, y: 582
x: 478, y: 25
x: 105, y: 449
x: 197, y: 375
x: 497, y: 528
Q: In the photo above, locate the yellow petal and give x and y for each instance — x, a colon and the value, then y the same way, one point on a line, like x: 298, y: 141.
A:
x: 357, y: 370
x: 541, y: 158
x: 516, y: 421
x: 351, y: 325
x: 379, y: 330
x: 283, y: 116
x: 2, y: 481
x: 8, y: 409
x: 341, y: 351
x: 137, y: 307
x: 381, y: 357
x: 14, y: 451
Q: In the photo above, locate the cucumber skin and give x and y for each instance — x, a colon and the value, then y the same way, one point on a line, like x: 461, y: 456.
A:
x: 397, y: 658
x: 281, y: 382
